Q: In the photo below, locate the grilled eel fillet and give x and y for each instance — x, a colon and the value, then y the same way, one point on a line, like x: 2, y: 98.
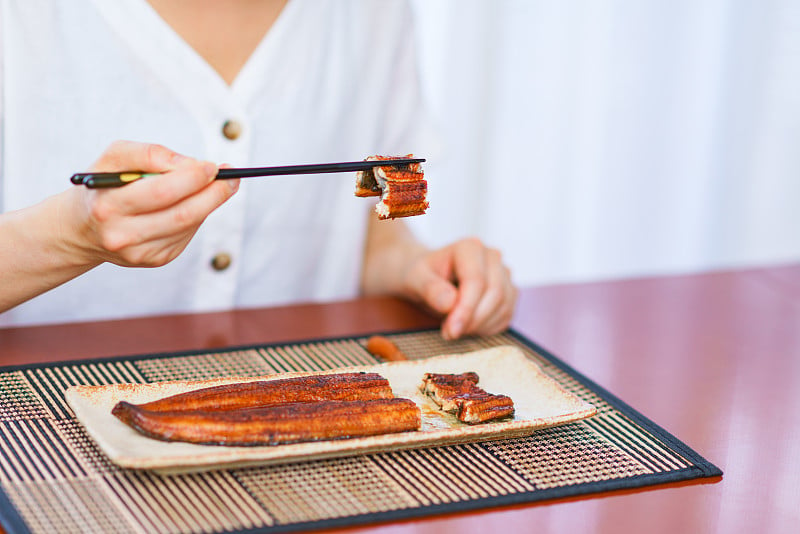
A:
x: 402, y: 188
x: 275, y: 424
x: 459, y: 394
x: 339, y: 386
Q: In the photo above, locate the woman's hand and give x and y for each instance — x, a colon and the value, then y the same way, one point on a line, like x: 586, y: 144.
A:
x: 149, y: 222
x: 145, y: 224
x: 465, y: 282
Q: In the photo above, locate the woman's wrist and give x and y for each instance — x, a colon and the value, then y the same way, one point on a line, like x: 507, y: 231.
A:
x: 392, y: 250
x: 39, y: 249
x: 72, y: 236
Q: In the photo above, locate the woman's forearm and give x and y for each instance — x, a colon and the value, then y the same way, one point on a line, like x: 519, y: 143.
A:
x: 390, y: 249
x: 36, y: 254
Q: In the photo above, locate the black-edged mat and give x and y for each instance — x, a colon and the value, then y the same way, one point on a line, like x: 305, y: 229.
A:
x: 54, y: 479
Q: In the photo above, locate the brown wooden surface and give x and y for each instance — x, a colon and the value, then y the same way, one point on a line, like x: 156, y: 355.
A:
x: 714, y: 358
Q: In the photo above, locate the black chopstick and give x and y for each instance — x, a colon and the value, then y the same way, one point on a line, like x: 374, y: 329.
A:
x: 97, y: 180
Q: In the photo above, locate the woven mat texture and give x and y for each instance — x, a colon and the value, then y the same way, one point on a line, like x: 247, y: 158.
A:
x: 54, y: 479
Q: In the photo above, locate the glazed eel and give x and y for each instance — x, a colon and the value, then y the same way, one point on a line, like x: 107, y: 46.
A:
x: 275, y: 424
x: 459, y: 394
x: 402, y: 188
x: 339, y: 386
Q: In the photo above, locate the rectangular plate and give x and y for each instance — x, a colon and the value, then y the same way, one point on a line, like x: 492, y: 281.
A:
x: 539, y: 402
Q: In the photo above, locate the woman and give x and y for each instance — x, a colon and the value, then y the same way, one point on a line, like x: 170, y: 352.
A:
x: 245, y: 82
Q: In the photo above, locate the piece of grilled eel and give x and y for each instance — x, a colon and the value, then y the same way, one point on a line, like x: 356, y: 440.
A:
x: 335, y: 386
x: 275, y: 424
x: 402, y: 188
x: 459, y: 394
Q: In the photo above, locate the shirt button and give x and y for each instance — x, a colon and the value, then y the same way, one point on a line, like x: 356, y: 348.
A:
x: 221, y: 261
x: 231, y: 129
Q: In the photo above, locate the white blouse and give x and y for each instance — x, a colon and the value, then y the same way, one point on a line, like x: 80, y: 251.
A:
x: 333, y: 80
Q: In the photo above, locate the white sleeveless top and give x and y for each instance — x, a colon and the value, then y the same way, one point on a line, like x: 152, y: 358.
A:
x: 333, y: 80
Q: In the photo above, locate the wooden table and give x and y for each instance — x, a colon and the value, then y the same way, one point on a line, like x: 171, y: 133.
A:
x: 714, y: 358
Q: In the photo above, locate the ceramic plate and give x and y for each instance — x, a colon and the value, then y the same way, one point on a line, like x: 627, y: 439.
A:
x: 539, y: 402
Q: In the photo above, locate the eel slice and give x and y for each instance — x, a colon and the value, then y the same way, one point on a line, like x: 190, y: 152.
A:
x: 339, y: 386
x: 275, y: 424
x: 459, y: 394
x: 443, y: 389
x: 402, y: 188
x: 479, y: 406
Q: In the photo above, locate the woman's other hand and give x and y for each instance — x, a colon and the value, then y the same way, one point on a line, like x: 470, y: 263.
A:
x: 465, y: 282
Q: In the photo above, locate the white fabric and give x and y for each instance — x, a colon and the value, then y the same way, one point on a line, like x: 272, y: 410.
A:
x: 598, y: 139
x: 331, y: 81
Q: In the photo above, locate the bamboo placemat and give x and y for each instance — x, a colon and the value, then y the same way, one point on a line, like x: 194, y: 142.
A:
x: 54, y: 479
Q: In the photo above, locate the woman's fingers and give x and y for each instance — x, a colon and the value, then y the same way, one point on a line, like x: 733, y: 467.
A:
x: 177, y: 177
x: 132, y: 156
x: 468, y: 284
x: 156, y: 193
x: 469, y: 270
x: 496, y: 308
x: 150, y: 221
x: 486, y: 296
x: 130, y: 236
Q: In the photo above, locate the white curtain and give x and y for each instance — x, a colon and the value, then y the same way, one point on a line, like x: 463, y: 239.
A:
x: 609, y: 138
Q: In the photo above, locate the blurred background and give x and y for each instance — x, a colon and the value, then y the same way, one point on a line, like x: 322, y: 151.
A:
x: 604, y: 139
